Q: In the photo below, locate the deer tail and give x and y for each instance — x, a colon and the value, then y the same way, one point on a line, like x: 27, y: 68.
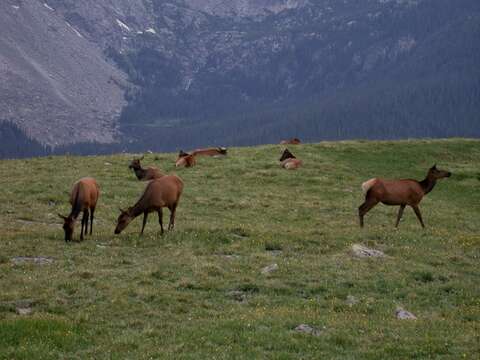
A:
x: 367, y: 185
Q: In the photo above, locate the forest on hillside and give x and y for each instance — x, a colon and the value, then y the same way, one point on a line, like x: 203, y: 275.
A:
x: 325, y: 71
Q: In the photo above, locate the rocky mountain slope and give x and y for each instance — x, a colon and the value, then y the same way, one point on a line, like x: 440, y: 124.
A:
x: 56, y: 85
x: 183, y: 72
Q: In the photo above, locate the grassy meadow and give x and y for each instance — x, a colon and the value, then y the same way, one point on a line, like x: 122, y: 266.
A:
x: 198, y: 292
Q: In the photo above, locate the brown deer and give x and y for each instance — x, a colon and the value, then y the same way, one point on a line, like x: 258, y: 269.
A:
x: 216, y: 151
x: 293, y: 141
x: 399, y: 192
x: 143, y: 174
x: 83, y: 198
x: 159, y: 193
x: 289, y: 161
x: 185, y: 159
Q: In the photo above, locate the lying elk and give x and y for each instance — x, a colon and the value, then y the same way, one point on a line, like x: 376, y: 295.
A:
x: 144, y: 174
x: 399, y: 192
x: 185, y: 159
x: 83, y: 198
x: 216, y: 151
x: 289, y: 161
x: 159, y: 193
x: 293, y: 141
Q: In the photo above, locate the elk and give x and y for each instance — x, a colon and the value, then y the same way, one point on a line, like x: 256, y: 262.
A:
x: 159, y: 193
x: 83, y: 198
x: 215, y: 151
x: 293, y: 141
x: 289, y: 161
x: 399, y: 192
x: 142, y: 173
x: 185, y: 159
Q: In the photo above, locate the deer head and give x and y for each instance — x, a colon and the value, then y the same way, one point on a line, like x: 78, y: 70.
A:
x: 68, y: 226
x: 123, y: 220
x: 287, y: 155
x: 436, y: 174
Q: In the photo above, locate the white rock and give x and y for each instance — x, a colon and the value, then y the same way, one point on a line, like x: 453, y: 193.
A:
x: 270, y: 268
x: 40, y: 260
x: 23, y: 311
x: 351, y: 300
x: 364, y: 252
x: 307, y: 329
x: 404, y: 314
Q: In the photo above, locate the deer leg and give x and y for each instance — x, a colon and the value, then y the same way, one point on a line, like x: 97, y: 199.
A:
x: 419, y: 215
x: 81, y: 226
x: 84, y: 223
x: 145, y: 215
x: 400, y: 214
x: 171, y: 224
x: 160, y: 220
x: 366, y: 207
x: 92, y: 210
x: 81, y: 230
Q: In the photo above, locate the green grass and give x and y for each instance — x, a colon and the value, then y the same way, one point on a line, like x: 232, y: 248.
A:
x: 116, y: 297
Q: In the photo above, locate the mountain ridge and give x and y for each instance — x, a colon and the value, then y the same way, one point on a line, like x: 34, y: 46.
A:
x: 184, y: 65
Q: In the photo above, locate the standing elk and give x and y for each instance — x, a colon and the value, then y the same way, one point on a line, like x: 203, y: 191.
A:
x: 289, y: 161
x: 143, y: 174
x: 399, y: 192
x: 83, y: 198
x: 159, y: 193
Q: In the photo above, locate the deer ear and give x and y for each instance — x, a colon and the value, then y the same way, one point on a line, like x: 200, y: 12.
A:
x: 62, y: 217
x: 142, y: 157
x: 434, y: 167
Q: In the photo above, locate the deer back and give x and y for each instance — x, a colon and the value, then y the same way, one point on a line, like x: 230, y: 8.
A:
x: 210, y: 151
x: 162, y: 192
x: 85, y: 193
x: 152, y: 173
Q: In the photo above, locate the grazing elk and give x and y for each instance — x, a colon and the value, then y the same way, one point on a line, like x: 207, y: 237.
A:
x: 293, y: 141
x: 289, y: 161
x: 83, y: 198
x: 216, y: 151
x: 142, y: 174
x: 399, y: 192
x: 159, y: 193
x: 185, y: 159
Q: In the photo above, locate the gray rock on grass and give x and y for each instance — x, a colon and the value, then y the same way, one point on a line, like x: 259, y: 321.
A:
x: 275, y: 252
x: 364, y: 252
x: 351, y: 300
x: 23, y: 311
x: 270, y: 268
x: 24, y: 307
x: 38, y: 260
x: 307, y: 329
x: 403, y: 314
x: 237, y: 295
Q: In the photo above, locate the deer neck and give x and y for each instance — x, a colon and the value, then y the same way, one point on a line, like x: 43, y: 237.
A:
x: 140, y: 172
x: 428, y: 184
x: 137, y: 209
x: 76, y: 207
